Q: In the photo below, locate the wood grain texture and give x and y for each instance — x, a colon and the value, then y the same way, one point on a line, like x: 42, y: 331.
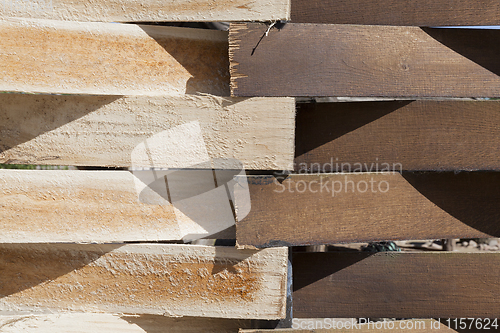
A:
x: 149, y: 10
x: 397, y: 12
x: 352, y: 60
x: 107, y: 323
x: 103, y: 206
x: 111, y: 59
x: 329, y: 325
x: 399, y: 135
x: 173, y: 280
x: 338, y: 208
x: 400, y: 285
x: 105, y: 130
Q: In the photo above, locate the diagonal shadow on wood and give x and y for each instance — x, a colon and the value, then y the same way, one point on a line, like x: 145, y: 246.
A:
x: 24, y: 117
x: 320, y: 123
x: 161, y: 324
x: 471, y: 197
x: 481, y: 46
x: 23, y: 266
x: 314, y: 266
x: 206, y: 60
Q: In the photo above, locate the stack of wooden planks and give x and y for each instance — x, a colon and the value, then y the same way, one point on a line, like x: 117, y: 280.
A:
x: 188, y: 133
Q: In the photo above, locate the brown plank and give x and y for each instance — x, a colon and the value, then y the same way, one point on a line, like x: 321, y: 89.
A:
x: 352, y: 60
x: 304, y: 210
x: 331, y: 325
x: 400, y: 285
x: 397, y: 12
x: 160, y: 279
x: 48, y: 56
x: 398, y: 135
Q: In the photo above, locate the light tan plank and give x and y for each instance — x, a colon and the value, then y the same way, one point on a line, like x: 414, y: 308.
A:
x: 108, y: 323
x: 105, y: 130
x: 105, y: 206
x: 173, y: 280
x: 149, y: 10
x: 111, y: 59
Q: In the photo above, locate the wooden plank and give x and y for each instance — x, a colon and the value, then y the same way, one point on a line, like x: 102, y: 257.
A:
x: 397, y: 12
x: 400, y: 135
x: 171, y: 280
x: 148, y: 11
x: 111, y: 59
x: 351, y: 60
x: 400, y: 285
x: 101, y: 322
x: 331, y: 325
x: 337, y: 208
x: 107, y: 206
x: 105, y: 130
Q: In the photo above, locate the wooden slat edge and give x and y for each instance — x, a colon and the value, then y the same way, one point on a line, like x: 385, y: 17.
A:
x: 149, y: 11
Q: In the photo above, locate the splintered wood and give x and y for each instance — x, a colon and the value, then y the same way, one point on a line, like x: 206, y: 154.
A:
x: 149, y: 10
x: 104, y: 130
x: 112, y: 59
x: 172, y: 280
